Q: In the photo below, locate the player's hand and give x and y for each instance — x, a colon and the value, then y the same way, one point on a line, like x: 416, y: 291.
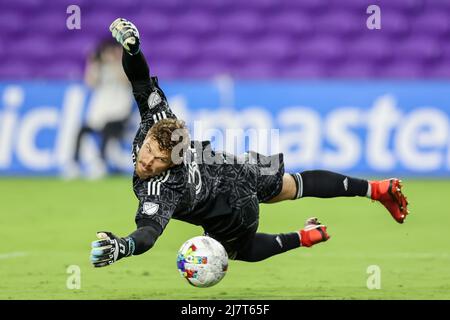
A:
x: 314, y: 232
x: 126, y: 34
x: 109, y: 248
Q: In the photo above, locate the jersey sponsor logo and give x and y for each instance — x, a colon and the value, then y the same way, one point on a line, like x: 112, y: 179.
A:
x: 154, y: 185
x: 150, y: 208
x: 153, y: 100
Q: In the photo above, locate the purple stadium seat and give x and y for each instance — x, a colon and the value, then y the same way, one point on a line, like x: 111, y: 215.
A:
x: 438, y: 71
x: 351, y: 6
x: 261, y: 5
x: 165, y: 68
x: 153, y: 24
x: 3, y: 53
x: 178, y: 48
x: 51, y: 22
x: 196, y: 23
x: 395, y: 24
x: 254, y: 38
x: 271, y: 49
x: 404, y: 6
x: 304, y: 69
x: 83, y: 4
x: 445, y: 47
x: 293, y: 23
x: 419, y: 48
x: 213, y: 6
x: 75, y: 47
x: 97, y: 23
x: 435, y: 23
x: 62, y: 69
x: 11, y: 23
x: 206, y: 69
x: 340, y: 23
x: 351, y: 70
x: 241, y: 22
x: 231, y: 49
x: 324, y: 48
x: 123, y: 4
x: 312, y: 6
x: 399, y: 70
x: 440, y: 4
x: 15, y: 69
x: 373, y: 48
x: 255, y: 70
x: 167, y: 7
x: 34, y: 48
x: 23, y: 5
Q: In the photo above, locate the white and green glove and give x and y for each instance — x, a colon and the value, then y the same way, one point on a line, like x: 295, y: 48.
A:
x: 126, y: 34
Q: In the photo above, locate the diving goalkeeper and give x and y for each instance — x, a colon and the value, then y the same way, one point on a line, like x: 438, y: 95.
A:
x: 175, y: 178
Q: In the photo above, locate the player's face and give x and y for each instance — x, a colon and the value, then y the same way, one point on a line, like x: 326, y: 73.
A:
x: 151, y: 161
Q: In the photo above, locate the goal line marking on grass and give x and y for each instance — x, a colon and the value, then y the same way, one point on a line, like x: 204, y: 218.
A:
x: 12, y: 255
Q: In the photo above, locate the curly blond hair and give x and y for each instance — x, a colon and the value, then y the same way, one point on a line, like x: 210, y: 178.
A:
x: 170, y: 133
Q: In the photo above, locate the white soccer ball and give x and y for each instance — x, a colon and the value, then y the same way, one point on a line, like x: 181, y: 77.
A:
x: 202, y: 261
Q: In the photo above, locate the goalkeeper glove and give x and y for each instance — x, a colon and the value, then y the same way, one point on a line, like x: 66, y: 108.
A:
x: 126, y: 34
x: 110, y: 248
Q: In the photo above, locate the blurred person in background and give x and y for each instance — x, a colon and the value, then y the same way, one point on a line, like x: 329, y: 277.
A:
x: 108, y: 110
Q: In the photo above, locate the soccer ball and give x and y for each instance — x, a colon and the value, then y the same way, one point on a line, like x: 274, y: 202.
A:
x: 202, y: 261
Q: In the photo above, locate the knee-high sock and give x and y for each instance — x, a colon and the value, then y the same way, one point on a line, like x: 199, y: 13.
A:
x: 327, y: 184
x: 263, y: 246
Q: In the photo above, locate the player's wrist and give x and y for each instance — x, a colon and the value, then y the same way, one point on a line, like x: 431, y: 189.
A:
x: 129, y: 245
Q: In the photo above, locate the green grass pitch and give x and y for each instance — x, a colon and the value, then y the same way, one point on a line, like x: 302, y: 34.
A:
x: 47, y: 225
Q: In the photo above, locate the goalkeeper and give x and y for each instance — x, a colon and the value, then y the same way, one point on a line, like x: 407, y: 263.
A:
x: 188, y: 181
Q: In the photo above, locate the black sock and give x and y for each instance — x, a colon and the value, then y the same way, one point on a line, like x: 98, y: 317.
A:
x: 263, y: 246
x: 327, y: 184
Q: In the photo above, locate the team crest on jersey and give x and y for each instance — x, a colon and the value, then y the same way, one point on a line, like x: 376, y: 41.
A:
x: 150, y: 208
x: 153, y: 100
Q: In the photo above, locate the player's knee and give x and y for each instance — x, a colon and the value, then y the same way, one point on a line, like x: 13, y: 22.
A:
x: 288, y: 189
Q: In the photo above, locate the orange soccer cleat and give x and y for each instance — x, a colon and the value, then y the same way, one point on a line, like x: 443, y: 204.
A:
x: 389, y: 193
x: 313, y: 233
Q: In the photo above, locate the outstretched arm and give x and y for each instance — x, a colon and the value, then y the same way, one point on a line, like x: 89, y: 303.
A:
x: 152, y: 102
x: 135, y: 67
x: 133, y: 60
x: 111, y: 248
x: 145, y: 237
x: 158, y: 199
